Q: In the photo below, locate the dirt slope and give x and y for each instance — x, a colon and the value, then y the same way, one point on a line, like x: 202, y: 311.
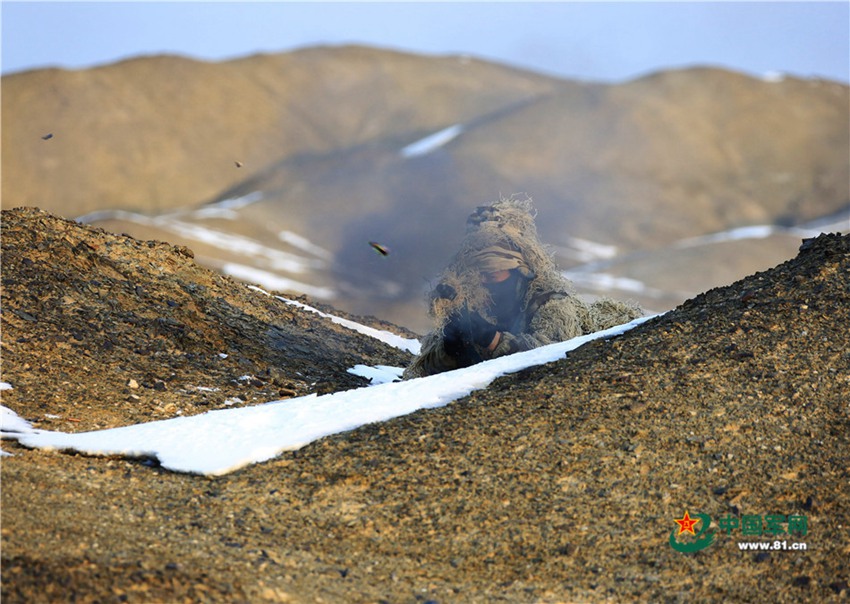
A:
x: 558, y: 484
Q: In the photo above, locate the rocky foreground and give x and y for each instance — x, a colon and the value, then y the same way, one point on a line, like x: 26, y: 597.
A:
x: 560, y: 483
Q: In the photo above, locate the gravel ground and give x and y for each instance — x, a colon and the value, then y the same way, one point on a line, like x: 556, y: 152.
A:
x: 560, y: 483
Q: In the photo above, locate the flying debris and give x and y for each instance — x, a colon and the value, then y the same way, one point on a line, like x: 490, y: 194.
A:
x: 238, y: 164
x: 382, y: 250
x: 47, y: 136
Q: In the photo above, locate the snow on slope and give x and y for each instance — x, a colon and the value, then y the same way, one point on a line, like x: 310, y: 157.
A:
x: 432, y: 142
x: 597, y: 259
x: 410, y: 345
x: 226, y: 209
x: 219, y: 442
x: 227, y: 242
x: 758, y: 231
x: 273, y: 281
x: 270, y: 267
x: 607, y: 282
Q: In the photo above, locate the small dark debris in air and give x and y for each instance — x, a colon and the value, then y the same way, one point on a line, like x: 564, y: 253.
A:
x: 382, y: 250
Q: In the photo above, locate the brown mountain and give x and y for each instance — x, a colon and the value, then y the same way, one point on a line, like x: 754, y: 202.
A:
x: 156, y: 133
x: 559, y: 483
x: 335, y: 152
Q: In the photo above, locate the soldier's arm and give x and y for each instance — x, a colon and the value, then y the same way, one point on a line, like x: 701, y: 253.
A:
x: 558, y: 319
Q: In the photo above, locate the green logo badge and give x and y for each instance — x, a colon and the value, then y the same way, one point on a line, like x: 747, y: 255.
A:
x: 702, y: 538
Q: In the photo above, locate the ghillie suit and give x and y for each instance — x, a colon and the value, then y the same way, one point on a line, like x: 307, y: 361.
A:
x: 545, y: 309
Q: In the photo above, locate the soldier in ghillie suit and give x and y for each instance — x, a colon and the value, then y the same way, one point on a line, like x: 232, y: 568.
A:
x: 502, y: 293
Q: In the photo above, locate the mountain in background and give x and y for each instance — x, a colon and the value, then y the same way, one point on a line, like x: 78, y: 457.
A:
x: 280, y: 169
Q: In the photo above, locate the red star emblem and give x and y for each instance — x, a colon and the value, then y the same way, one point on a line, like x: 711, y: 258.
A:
x: 686, y: 524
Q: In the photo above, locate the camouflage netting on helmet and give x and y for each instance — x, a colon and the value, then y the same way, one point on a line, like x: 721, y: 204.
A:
x: 507, y: 223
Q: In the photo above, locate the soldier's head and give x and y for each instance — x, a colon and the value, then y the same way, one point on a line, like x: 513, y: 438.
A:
x: 499, y: 257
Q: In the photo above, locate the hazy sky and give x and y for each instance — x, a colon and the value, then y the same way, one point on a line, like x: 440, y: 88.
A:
x: 588, y: 40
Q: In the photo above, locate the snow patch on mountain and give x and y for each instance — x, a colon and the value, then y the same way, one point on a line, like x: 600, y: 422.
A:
x: 226, y: 208
x: 432, y: 142
x: 276, y: 282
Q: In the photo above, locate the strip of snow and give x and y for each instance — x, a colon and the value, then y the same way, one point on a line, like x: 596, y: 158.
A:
x: 241, y: 245
x: 387, y: 337
x: 773, y: 77
x: 227, y: 242
x: 222, y: 441
x: 302, y: 243
x: 226, y: 208
x: 267, y: 261
x: 585, y: 250
x: 275, y: 282
x: 410, y: 345
x: 11, y: 422
x: 379, y: 374
x: 5, y: 386
x: 609, y: 282
x: 759, y: 231
x: 234, y: 203
x: 432, y: 142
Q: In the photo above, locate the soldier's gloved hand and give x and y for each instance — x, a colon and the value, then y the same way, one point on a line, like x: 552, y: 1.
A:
x: 454, y: 332
x: 481, y: 330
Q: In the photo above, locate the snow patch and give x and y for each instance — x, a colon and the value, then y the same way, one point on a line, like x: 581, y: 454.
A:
x: 242, y: 245
x: 226, y: 208
x: 759, y: 231
x: 203, y: 389
x: 432, y: 142
x: 304, y: 244
x: 584, y: 250
x: 773, y: 77
x: 226, y: 242
x: 11, y: 424
x: 387, y: 337
x: 275, y: 282
x: 379, y: 374
x: 608, y: 282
